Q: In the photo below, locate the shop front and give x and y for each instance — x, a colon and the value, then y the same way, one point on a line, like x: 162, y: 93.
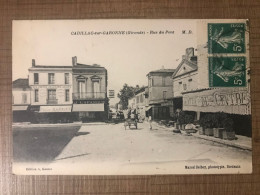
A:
x: 53, y: 114
x: 21, y: 113
x: 94, y: 110
x: 233, y: 101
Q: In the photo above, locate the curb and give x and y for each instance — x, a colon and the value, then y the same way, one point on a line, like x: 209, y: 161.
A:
x: 217, y: 140
x: 221, y: 141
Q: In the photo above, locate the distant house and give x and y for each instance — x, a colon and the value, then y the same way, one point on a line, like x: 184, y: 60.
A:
x: 21, y: 100
x: 139, y: 102
x: 160, y: 92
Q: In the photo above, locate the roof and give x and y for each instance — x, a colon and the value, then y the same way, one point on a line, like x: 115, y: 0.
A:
x: 189, y: 63
x: 21, y: 83
x: 41, y: 66
x: 167, y: 71
x: 163, y: 71
x: 88, y: 66
x: 77, y: 66
x: 142, y: 89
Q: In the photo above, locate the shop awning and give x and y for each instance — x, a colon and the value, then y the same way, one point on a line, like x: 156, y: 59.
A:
x: 19, y: 108
x: 148, y: 108
x: 227, y: 100
x: 88, y: 108
x: 44, y: 109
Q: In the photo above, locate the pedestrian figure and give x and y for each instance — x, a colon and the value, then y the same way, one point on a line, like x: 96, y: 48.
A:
x: 150, y: 121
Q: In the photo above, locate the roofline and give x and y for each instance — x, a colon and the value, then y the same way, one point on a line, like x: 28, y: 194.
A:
x: 181, y: 63
x: 185, y: 73
x: 60, y: 68
x: 155, y: 72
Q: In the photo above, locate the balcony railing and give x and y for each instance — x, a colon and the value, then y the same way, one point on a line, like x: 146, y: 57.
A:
x: 52, y: 101
x: 89, y: 95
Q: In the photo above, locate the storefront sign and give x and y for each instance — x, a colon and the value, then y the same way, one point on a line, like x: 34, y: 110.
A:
x: 55, y: 109
x: 51, y: 86
x: 111, y: 93
x: 218, y: 100
x: 88, y: 101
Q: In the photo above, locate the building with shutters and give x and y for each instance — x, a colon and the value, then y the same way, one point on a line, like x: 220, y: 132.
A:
x: 51, y: 93
x: 68, y: 93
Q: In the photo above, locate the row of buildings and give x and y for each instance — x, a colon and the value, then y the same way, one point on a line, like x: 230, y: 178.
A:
x: 61, y: 93
x: 187, y: 89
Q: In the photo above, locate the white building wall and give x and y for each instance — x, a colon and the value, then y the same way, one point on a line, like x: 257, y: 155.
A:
x: 190, y: 80
x: 157, y: 88
x: 18, y: 94
x: 43, y: 86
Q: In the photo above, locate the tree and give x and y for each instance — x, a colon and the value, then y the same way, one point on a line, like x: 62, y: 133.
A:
x: 125, y: 94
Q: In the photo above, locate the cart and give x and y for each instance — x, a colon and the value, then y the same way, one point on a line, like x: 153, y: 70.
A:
x: 129, y: 122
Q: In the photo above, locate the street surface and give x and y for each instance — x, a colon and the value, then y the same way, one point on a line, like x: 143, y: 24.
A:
x: 111, y: 149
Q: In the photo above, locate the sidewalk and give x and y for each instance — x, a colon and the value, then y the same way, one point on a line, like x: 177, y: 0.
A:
x: 241, y: 142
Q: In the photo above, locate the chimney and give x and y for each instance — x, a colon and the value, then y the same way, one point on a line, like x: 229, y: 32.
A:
x: 74, y: 61
x: 190, y: 52
x: 163, y: 67
x: 33, y: 62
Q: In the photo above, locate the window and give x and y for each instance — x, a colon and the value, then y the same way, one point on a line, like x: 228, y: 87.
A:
x: 67, y: 95
x: 36, y: 78
x: 190, y: 80
x: 96, y: 89
x: 66, y: 78
x: 24, y: 98
x: 142, y: 98
x: 36, y: 95
x: 151, y: 82
x: 137, y: 99
x: 184, y: 86
x: 164, y: 94
x: 163, y: 81
x: 51, y: 78
x: 51, y: 94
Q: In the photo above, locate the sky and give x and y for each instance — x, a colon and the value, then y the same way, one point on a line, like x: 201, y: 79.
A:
x: 128, y: 58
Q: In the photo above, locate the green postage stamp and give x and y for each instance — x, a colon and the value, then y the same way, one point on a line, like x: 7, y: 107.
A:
x: 227, y: 71
x: 226, y: 38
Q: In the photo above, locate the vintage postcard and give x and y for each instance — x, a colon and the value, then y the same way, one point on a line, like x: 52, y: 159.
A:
x: 131, y: 97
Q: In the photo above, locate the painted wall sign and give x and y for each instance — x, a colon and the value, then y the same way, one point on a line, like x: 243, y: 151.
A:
x: 230, y: 101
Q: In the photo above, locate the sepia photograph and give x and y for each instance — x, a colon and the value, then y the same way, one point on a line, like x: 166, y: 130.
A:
x: 131, y: 97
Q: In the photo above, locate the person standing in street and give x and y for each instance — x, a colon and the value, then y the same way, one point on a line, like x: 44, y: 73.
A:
x: 150, y: 121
